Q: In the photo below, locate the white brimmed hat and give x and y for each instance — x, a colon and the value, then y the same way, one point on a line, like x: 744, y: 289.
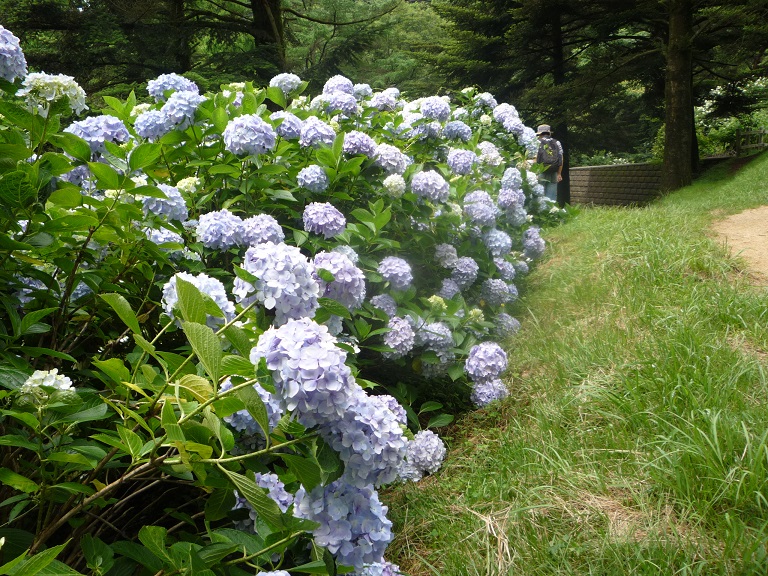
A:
x: 543, y: 129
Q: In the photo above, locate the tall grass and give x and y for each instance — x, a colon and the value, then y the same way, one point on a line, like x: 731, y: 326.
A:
x: 635, y: 440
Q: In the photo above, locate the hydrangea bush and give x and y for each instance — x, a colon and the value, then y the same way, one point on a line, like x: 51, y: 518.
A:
x: 218, y: 310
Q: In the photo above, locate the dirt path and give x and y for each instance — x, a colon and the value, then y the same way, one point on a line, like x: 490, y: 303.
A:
x: 746, y: 235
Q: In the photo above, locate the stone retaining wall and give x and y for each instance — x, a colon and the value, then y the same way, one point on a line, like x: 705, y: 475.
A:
x: 619, y: 184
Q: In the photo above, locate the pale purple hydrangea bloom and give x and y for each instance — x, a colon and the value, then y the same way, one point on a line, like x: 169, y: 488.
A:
x: 290, y: 125
x: 313, y: 178
x: 383, y: 101
x: 480, y: 209
x: 485, y: 362
x: 495, y: 292
x: 323, y: 218
x: 431, y: 185
x: 369, y: 441
x: 529, y: 139
x: 512, y: 178
x: 461, y: 161
x: 515, y: 126
x: 348, y: 251
x: 449, y: 289
x: 506, y: 270
x: 516, y: 215
x: 315, y: 132
x: 401, y: 338
x: 96, y: 130
x: 396, y: 271
x: 356, y: 142
x: 284, y: 281
x: 485, y: 99
x: 505, y: 325
x: 275, y: 491
x: 353, y: 522
x: 288, y: 83
x: 308, y: 370
x: 464, y: 271
x: 383, y: 568
x: 165, y: 82
x: 446, y: 255
x: 497, y: 241
x: 261, y: 228
x: 511, y: 198
x: 489, y: 154
x: 435, y: 108
x: 220, y: 229
x: 152, y: 125
x: 385, y: 303
x: 437, y: 337
x: 249, y: 134
x: 343, y: 102
x: 348, y: 285
x: 338, y: 83
x: 425, y: 454
x: 391, y: 159
x: 207, y: 285
x: 242, y: 421
x: 457, y: 130
x: 181, y: 106
x: 504, y: 111
x: 13, y: 64
x: 424, y: 130
x: 173, y: 206
x: 390, y: 403
x: 533, y: 243
x: 483, y: 393
x: 163, y: 236
x: 362, y: 91
x: 521, y: 266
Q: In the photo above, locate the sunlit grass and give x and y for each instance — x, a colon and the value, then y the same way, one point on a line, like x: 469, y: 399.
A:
x: 635, y: 440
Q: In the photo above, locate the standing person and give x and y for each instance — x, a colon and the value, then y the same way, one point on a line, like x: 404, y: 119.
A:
x: 551, y: 155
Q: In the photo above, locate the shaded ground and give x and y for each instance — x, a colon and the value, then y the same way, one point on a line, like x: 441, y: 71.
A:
x: 746, y: 236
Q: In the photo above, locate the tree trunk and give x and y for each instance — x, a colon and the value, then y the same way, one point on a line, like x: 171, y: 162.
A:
x: 267, y: 27
x: 678, y: 98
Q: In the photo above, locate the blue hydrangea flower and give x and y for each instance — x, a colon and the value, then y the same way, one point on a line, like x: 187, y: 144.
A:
x: 533, y: 243
x: 288, y: 83
x: 261, y: 228
x: 362, y: 91
x: 388, y: 402
x: 274, y: 573
x: 380, y: 569
x: 396, y: 271
x: 512, y: 178
x: 285, y: 281
x: 449, y: 289
x: 207, y: 285
x: 483, y: 393
x: 165, y: 82
x: 504, y: 111
x: 480, y: 208
x: 506, y: 270
x: 96, y: 130
x: 323, y: 218
x: 425, y: 454
x: 173, y: 206
x: 242, y: 421
x: 446, y: 255
x: 457, y: 130
x: 401, y: 338
x: 505, y: 325
x: 431, y: 185
x: 181, y: 106
x: 163, y: 236
x: 289, y: 126
x: 495, y: 292
x: 489, y: 154
x: 313, y: 178
x: 249, y: 134
x: 383, y: 101
x: 435, y: 108
x: 315, y: 132
x: 511, y: 198
x: 353, y: 522
x: 152, y: 125
x: 521, y: 266
x: 516, y: 215
x: 356, y: 142
x: 13, y: 64
x: 497, y: 241
x: 385, y: 303
x: 369, y: 440
x: 308, y: 370
x: 485, y: 362
x: 461, y: 161
x: 348, y: 251
x: 219, y: 230
x: 436, y: 337
x: 464, y: 272
x: 485, y: 99
x: 529, y: 139
x: 276, y: 491
x: 343, y: 102
x: 338, y: 83
x: 391, y: 159
x: 348, y: 285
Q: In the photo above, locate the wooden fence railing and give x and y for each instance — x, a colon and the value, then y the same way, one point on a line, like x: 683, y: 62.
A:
x: 750, y: 141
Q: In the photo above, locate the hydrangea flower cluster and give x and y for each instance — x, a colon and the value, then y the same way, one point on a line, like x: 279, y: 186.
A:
x: 152, y: 125
x: 461, y: 161
x: 464, y: 271
x: 446, y: 255
x: 288, y: 83
x: 313, y: 178
x: 284, y: 282
x: 505, y: 325
x: 457, y: 130
x: 533, y: 243
x: 287, y: 125
x: 49, y: 378
x: 353, y: 522
x: 343, y: 102
x: 220, y: 229
x: 489, y: 154
x: 242, y: 421
x: 424, y: 455
x: 249, y: 134
x: 261, y: 228
x: 435, y: 108
x: 480, y: 208
x: 323, y: 218
x: 483, y: 393
x: 338, y: 83
x: 394, y: 184
x: 180, y: 108
x: 384, y: 101
x: 172, y: 207
x: 207, y: 285
x: 438, y: 338
x: 401, y: 337
x: 356, y: 142
x: 498, y: 242
x: 449, y: 289
x: 13, y: 64
x: 99, y: 129
x: 485, y: 362
x: 396, y: 271
x: 315, y: 133
x: 348, y: 285
x: 430, y: 185
x: 495, y: 292
x: 391, y: 159
x: 167, y: 82
x: 385, y: 303
x: 39, y: 89
x: 380, y: 569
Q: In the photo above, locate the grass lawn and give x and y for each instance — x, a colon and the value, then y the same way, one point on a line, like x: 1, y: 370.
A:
x: 635, y: 438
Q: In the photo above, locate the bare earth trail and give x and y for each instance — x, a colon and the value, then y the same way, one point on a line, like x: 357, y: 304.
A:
x: 746, y: 236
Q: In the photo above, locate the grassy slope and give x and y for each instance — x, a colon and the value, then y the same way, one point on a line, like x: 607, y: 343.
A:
x: 635, y: 440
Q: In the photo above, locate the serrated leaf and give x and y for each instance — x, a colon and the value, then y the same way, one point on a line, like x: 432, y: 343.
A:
x: 106, y: 176
x: 120, y: 305
x: 33, y: 317
x: 144, y: 155
x: 306, y: 471
x: 190, y: 301
x: 262, y: 504
x: 440, y: 420
x: 132, y: 440
x: 206, y: 346
x: 17, y: 481
x: 36, y: 564
x: 430, y: 406
x: 276, y: 95
x: 200, y: 388
x: 334, y: 307
x: 153, y: 537
x: 114, y: 369
x: 218, y: 505
x: 237, y: 365
x: 256, y: 408
x: 170, y: 423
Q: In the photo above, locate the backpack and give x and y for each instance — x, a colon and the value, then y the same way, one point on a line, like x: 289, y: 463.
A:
x: 549, y: 153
